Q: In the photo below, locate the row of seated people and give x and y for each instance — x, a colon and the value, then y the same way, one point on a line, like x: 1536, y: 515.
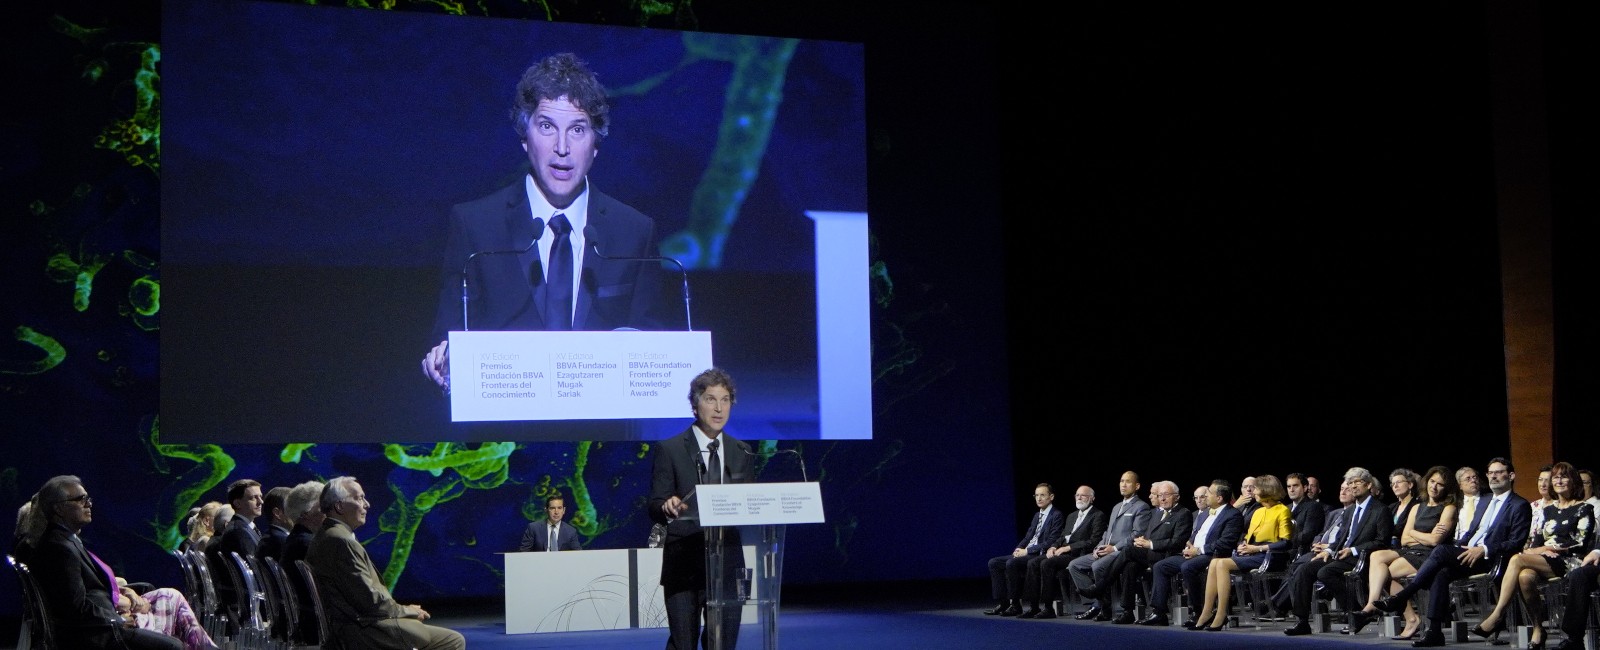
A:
x: 1440, y: 528
x: 87, y: 610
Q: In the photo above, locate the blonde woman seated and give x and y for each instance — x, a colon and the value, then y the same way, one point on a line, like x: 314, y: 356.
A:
x: 1566, y: 536
x: 201, y: 526
x: 1271, y: 531
x: 1428, y: 524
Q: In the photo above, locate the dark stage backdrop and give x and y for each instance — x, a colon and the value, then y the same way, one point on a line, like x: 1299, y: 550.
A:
x: 80, y: 383
x: 1190, y: 243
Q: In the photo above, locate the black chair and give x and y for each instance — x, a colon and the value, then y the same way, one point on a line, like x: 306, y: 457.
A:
x: 35, y: 616
x: 316, y: 601
x: 1258, y: 584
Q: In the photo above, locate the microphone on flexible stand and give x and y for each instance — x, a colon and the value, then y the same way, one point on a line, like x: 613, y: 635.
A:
x: 592, y: 237
x: 538, y: 231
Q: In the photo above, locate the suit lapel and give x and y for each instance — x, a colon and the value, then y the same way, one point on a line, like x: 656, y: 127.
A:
x: 587, y: 283
x: 519, y: 229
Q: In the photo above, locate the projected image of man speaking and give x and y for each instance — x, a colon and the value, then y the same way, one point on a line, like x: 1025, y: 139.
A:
x: 515, y: 259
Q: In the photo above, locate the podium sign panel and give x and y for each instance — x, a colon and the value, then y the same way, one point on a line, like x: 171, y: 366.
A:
x: 611, y: 375
x: 735, y: 516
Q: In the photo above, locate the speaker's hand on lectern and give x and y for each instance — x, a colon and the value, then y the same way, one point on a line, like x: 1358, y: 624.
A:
x: 674, y: 506
x: 436, y: 365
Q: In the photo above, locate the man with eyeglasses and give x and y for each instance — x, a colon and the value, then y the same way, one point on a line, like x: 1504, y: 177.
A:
x: 78, y: 588
x: 704, y: 453
x: 360, y: 611
x: 1497, y: 535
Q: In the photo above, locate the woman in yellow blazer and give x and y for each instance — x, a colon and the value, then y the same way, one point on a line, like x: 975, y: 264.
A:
x: 1271, y: 532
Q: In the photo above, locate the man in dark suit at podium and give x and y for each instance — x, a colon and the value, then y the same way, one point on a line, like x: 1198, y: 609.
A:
x: 554, y: 218
x: 702, y: 454
x: 539, y: 533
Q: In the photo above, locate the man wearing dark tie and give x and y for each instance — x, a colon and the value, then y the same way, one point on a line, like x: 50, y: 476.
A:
x: 241, y: 537
x: 1497, y: 534
x: 1369, y: 530
x: 1170, y: 526
x: 539, y: 533
x: 1008, y: 572
x: 1217, y: 529
x: 1129, y: 518
x: 1333, y: 526
x: 1082, y: 527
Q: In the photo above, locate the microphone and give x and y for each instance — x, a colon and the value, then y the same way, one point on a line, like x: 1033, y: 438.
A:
x: 538, y: 231
x: 797, y: 456
x: 592, y: 237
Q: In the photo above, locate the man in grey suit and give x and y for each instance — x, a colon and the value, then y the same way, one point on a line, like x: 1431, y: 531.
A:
x: 1129, y: 518
x: 1168, y: 532
x: 1081, y: 529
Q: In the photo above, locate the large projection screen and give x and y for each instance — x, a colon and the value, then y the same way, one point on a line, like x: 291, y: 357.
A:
x: 312, y: 156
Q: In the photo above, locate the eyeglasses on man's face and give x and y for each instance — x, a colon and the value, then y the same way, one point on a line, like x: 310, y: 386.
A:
x: 82, y: 499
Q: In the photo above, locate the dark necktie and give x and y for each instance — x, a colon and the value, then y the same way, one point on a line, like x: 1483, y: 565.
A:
x: 558, y: 282
x: 714, y: 465
x: 1355, y: 522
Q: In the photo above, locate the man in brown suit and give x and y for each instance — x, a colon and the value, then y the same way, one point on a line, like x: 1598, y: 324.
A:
x: 361, y: 613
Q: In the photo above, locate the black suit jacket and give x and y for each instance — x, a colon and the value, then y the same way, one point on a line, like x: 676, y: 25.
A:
x: 1047, y: 530
x: 1083, y: 539
x: 675, y: 472
x: 507, y: 290
x: 536, y: 537
x: 272, y: 543
x: 1509, y: 531
x: 239, y: 537
x: 1309, y: 519
x: 1168, y: 537
x: 75, y: 589
x: 1225, y: 533
x: 1373, y: 530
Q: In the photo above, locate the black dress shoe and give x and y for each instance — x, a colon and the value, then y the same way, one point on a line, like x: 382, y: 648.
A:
x: 1125, y: 618
x: 1432, y: 639
x: 1358, y: 620
x: 997, y: 609
x: 1155, y: 620
x: 1570, y: 643
x: 1013, y: 610
x: 1105, y: 615
x: 1048, y: 612
x: 1499, y: 626
x: 1300, y: 629
x: 1088, y: 614
x: 1389, y: 605
x: 1031, y: 613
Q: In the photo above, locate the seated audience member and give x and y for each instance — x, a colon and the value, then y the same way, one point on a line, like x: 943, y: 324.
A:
x: 163, y: 610
x: 1405, y: 484
x: 1008, y: 572
x: 1428, y: 525
x: 278, y: 523
x: 1588, y: 489
x: 22, y: 545
x: 237, y: 536
x: 202, y: 525
x: 1217, y: 528
x: 1200, y: 501
x: 1247, y: 503
x: 1568, y: 533
x: 1467, y: 511
x: 1368, y: 530
x: 539, y: 533
x: 1580, y: 584
x: 1128, y: 518
x: 1314, y: 490
x: 360, y: 611
x: 1045, y: 572
x: 1170, y: 526
x: 1537, y: 506
x: 78, y: 589
x: 1306, y: 513
x: 1496, y: 535
x: 1269, y: 533
x: 1331, y: 535
x: 302, y: 508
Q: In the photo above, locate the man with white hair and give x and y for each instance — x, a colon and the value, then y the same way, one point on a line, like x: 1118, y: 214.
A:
x: 359, y: 609
x: 1369, y: 529
x: 303, y: 509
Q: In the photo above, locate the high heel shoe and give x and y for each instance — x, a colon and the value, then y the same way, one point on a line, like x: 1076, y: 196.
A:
x: 1499, y: 626
x: 1218, y: 628
x: 1198, y: 623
